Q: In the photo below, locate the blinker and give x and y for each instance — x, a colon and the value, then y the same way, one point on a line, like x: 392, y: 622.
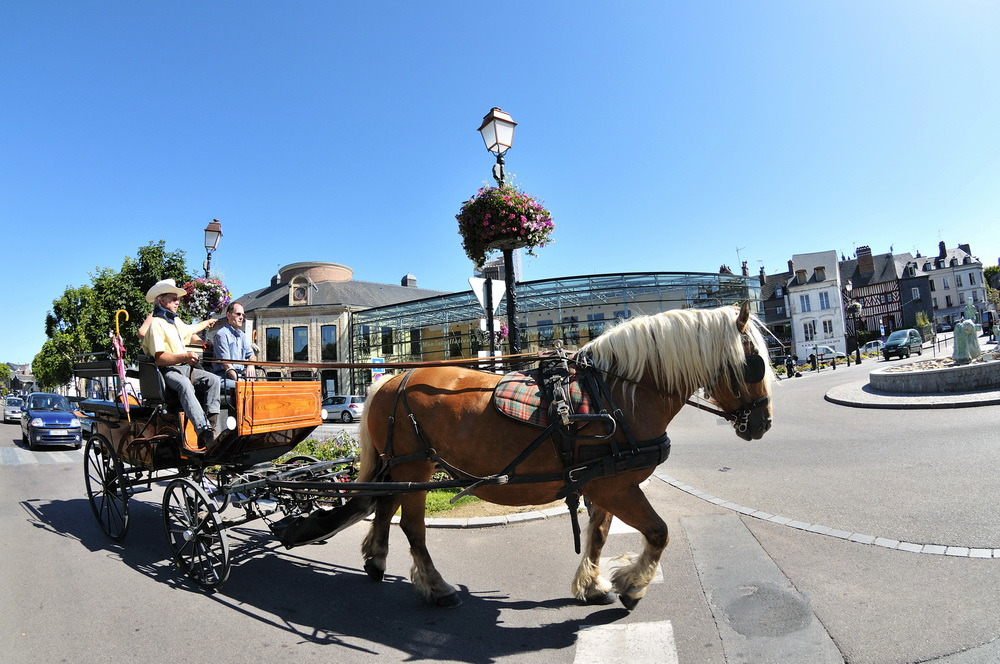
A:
x: 753, y: 370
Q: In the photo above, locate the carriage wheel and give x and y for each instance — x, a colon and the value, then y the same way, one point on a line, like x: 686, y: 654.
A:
x: 304, y: 502
x: 106, y: 487
x: 195, y: 532
x: 212, y: 484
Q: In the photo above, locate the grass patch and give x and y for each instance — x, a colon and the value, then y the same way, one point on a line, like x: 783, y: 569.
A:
x: 439, y: 500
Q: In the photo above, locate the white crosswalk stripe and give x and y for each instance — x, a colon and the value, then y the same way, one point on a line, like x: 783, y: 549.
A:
x: 637, y: 643
x: 17, y: 456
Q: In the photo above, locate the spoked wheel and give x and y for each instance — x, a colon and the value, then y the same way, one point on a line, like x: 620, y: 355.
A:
x: 195, y: 532
x: 106, y: 487
x: 212, y: 482
x: 303, y: 502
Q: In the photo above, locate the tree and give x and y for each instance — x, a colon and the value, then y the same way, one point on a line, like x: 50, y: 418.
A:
x: 82, y: 319
x: 4, y: 377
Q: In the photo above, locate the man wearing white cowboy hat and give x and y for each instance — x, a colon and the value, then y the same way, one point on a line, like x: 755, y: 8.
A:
x: 165, y: 337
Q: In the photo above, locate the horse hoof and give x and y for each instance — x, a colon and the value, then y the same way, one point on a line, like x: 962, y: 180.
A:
x: 375, y: 573
x: 603, y: 600
x: 629, y: 602
x: 449, y: 601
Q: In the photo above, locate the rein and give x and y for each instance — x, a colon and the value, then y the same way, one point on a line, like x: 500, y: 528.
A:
x: 738, y: 417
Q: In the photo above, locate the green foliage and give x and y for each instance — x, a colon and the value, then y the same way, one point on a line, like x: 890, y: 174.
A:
x: 344, y: 444
x: 4, y: 374
x: 439, y: 500
x: 82, y: 318
x: 53, y: 365
x: 989, y: 272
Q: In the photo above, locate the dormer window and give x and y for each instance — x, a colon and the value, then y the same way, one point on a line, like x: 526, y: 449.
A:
x: 300, y: 291
x: 820, y: 273
x: 800, y: 276
x: 778, y: 291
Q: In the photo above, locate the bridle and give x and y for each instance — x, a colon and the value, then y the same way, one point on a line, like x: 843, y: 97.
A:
x: 754, y: 370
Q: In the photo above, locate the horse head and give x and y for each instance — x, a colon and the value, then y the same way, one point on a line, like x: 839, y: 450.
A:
x: 744, y: 391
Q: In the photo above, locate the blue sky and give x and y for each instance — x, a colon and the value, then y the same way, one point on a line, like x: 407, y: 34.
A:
x: 670, y: 136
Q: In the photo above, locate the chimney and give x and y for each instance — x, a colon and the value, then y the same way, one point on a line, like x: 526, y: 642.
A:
x: 865, y: 263
x: 791, y: 266
x: 942, y: 251
x: 762, y: 277
x: 966, y: 248
x: 746, y: 270
x: 408, y: 281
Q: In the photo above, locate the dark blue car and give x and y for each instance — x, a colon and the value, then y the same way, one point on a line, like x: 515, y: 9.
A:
x: 48, y: 419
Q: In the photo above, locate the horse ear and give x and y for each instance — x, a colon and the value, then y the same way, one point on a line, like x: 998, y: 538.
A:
x: 744, y: 317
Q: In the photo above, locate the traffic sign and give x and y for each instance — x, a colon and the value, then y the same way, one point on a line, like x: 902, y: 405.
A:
x: 479, y: 288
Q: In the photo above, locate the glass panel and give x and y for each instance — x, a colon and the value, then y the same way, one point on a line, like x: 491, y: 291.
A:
x: 328, y: 341
x: 272, y: 346
x: 300, y: 344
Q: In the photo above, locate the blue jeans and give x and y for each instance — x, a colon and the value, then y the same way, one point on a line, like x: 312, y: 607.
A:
x: 201, y: 383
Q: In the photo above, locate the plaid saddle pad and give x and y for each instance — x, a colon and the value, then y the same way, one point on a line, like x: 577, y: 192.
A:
x: 519, y: 395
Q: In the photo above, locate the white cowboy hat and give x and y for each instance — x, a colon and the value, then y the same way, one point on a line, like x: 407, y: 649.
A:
x: 162, y: 287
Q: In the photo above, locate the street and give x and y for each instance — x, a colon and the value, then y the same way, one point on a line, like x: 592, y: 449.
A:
x: 734, y: 587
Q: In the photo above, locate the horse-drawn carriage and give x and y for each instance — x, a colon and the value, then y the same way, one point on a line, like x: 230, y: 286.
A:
x: 132, y: 446
x: 592, y: 425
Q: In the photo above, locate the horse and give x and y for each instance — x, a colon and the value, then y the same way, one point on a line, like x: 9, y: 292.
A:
x: 441, y: 417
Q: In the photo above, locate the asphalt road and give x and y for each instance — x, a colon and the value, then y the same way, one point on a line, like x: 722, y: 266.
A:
x: 734, y: 587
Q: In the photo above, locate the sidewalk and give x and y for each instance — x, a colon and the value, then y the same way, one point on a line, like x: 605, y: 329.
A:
x: 859, y: 394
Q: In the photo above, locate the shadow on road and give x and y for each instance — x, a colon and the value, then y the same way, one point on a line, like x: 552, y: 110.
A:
x: 331, y: 604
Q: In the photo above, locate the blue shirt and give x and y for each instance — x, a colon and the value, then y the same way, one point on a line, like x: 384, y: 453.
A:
x: 231, y: 344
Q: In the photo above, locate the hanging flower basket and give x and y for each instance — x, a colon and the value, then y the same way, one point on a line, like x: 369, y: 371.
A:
x: 502, y: 218
x: 205, y: 298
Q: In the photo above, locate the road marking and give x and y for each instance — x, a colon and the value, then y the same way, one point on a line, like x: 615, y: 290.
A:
x: 618, y: 527
x: 635, y: 643
x: 16, y: 456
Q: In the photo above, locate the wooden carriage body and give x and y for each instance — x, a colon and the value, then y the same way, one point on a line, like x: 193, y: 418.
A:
x: 264, y: 420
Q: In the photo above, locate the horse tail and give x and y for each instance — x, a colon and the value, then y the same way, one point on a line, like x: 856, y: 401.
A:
x: 370, y: 461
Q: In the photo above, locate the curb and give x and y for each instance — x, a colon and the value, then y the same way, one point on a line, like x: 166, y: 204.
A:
x: 860, y: 395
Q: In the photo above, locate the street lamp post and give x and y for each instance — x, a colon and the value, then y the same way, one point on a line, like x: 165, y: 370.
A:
x: 497, y: 130
x: 854, y: 308
x: 213, y: 233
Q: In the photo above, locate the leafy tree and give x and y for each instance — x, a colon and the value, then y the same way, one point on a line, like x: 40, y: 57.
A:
x: 4, y: 377
x: 80, y: 321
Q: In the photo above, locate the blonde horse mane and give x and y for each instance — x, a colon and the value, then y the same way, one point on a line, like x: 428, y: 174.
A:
x: 680, y: 350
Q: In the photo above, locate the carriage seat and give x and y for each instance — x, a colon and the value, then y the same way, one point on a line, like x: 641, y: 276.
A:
x: 153, y: 386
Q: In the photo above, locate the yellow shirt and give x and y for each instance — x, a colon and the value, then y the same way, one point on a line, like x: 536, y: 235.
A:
x: 162, y: 337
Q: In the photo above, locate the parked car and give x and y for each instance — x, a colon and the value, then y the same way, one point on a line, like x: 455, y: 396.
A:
x: 48, y: 419
x: 944, y: 327
x: 345, y: 408
x: 826, y: 353
x: 872, y: 347
x: 12, y: 409
x: 903, y: 342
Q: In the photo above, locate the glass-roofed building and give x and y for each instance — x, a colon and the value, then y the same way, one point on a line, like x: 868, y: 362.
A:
x: 317, y: 313
x: 571, y: 309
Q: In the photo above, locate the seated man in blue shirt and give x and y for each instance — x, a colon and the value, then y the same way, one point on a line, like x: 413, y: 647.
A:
x: 232, y: 344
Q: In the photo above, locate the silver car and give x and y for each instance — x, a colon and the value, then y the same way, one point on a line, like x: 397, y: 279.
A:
x: 12, y: 409
x: 345, y: 408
